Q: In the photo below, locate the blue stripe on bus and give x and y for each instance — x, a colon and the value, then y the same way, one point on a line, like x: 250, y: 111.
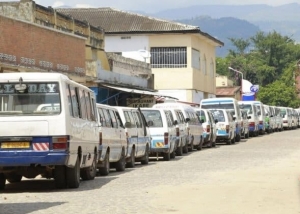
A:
x: 26, y: 158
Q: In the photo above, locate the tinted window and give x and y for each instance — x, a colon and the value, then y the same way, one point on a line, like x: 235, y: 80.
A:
x: 154, y: 116
x: 218, y: 115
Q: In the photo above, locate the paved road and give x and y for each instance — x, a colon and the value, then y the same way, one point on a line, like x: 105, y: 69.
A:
x: 258, y: 175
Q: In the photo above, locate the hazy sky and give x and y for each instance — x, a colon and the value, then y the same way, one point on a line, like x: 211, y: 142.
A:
x: 153, y: 5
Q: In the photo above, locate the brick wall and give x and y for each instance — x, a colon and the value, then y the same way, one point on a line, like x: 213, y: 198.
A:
x: 25, y: 44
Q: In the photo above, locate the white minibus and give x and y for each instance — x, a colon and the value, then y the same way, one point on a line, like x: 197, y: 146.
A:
x: 113, y: 142
x: 193, y: 129
x: 181, y: 128
x: 137, y: 133
x: 162, y: 131
x: 229, y: 104
x: 48, y: 127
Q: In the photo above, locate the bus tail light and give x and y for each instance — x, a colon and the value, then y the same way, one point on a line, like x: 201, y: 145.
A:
x: 177, y: 132
x: 208, y: 128
x: 227, y: 128
x: 100, y: 138
x: 166, y: 138
x: 60, y: 143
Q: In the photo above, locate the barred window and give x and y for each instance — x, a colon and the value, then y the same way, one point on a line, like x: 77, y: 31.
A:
x: 168, y: 57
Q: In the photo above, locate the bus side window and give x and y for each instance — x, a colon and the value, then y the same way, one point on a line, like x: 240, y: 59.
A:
x: 138, y: 119
x: 101, y: 116
x: 93, y: 107
x: 88, y: 106
x: 81, y: 101
x: 68, y: 93
x: 107, y: 118
x: 113, y: 118
x: 119, y: 121
x: 74, y: 99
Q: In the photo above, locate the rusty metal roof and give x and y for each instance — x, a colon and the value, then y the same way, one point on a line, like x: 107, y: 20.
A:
x: 121, y: 22
x: 227, y: 91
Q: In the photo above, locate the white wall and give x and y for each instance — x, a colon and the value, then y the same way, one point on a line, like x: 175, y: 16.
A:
x: 131, y: 43
x: 179, y: 94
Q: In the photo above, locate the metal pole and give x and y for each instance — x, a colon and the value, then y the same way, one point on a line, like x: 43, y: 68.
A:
x: 241, y: 93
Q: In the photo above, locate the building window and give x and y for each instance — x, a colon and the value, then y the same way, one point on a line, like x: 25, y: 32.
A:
x: 212, y: 69
x: 204, y: 65
x: 168, y: 57
x: 195, y: 59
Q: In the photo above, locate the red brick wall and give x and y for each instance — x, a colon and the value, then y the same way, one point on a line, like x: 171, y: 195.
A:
x: 32, y: 46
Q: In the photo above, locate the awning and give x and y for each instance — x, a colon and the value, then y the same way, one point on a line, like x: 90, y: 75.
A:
x: 138, y: 91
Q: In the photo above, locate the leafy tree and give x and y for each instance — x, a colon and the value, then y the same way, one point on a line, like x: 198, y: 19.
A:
x: 269, y: 60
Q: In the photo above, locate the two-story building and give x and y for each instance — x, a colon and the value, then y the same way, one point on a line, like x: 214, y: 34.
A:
x: 182, y: 57
x: 39, y: 39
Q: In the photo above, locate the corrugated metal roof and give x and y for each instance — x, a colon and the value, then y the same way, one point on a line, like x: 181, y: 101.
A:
x: 117, y: 21
x: 227, y: 91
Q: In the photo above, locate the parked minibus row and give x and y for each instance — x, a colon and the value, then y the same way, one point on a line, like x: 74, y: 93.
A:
x: 52, y: 127
x: 249, y: 118
x: 129, y: 135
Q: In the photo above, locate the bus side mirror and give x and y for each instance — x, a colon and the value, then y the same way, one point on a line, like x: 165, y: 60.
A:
x: 127, y: 125
x: 150, y: 123
x: 249, y: 117
x: 175, y: 122
x: 216, y: 121
x: 202, y: 121
x: 187, y: 120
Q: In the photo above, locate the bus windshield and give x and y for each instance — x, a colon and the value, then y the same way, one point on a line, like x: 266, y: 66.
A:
x: 29, y: 98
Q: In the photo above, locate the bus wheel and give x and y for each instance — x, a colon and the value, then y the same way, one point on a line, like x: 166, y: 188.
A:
x: 120, y: 165
x: 167, y: 156
x: 105, y: 169
x: 89, y: 173
x: 14, y: 178
x: 131, y: 162
x: 73, y: 175
x: 145, y: 159
x: 2, y: 181
x: 179, y: 151
x: 60, y: 177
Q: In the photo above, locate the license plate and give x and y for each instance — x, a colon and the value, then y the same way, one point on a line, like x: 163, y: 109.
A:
x: 15, y: 145
x: 159, y: 144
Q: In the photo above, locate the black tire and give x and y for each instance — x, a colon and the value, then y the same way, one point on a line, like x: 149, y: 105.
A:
x: 214, y: 144
x: 185, y: 149
x: 237, y: 138
x: 60, y: 177
x: 2, y: 181
x: 173, y: 155
x: 167, y: 156
x: 73, y: 175
x: 191, y: 148
x: 179, y: 151
x: 200, y: 146
x: 14, y: 178
x: 89, y: 173
x: 131, y: 162
x: 247, y: 135
x: 106, y: 168
x: 121, y: 164
x: 145, y: 159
